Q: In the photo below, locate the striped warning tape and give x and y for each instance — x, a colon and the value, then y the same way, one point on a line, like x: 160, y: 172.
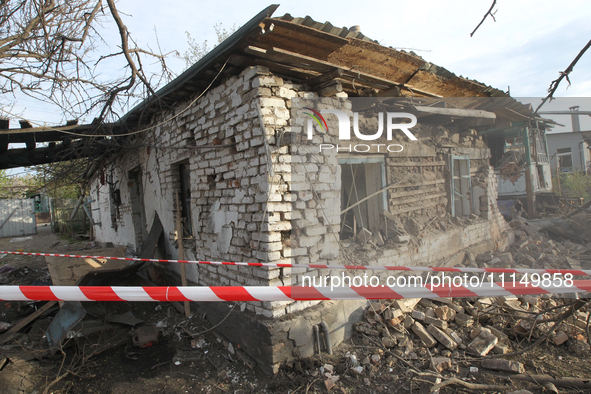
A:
x: 280, y: 293
x: 324, y: 266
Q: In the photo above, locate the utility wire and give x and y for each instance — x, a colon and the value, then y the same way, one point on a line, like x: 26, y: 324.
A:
x: 49, y: 128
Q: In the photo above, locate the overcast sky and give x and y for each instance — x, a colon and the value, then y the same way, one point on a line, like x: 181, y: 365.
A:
x: 524, y: 50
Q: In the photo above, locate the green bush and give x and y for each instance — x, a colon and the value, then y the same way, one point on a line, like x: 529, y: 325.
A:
x: 573, y: 184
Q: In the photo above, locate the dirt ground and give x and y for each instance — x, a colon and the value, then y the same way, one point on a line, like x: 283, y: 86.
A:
x: 108, y: 362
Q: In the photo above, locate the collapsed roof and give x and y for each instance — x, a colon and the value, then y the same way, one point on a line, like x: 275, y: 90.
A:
x: 302, y: 50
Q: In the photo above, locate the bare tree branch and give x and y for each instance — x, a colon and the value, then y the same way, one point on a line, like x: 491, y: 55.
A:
x: 47, y: 48
x: 564, y: 74
x: 489, y: 12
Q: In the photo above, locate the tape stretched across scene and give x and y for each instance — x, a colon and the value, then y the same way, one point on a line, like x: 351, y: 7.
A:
x: 323, y: 266
x: 280, y: 293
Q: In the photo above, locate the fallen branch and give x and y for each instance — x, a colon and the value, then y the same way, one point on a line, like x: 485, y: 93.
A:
x: 564, y: 74
x: 471, y: 386
x: 565, y: 315
x: 579, y: 383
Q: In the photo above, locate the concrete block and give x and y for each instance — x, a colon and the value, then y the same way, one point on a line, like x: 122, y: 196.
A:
x: 453, y: 335
x: 408, y: 322
x: 301, y: 331
x: 424, y: 335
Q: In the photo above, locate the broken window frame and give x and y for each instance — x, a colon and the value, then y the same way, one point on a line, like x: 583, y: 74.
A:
x: 465, y: 192
x: 345, y: 164
x: 562, y: 156
x: 539, y: 145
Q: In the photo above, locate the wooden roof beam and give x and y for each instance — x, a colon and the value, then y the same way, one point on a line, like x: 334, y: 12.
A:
x: 286, y: 57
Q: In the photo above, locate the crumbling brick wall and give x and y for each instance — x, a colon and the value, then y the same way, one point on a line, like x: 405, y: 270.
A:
x: 257, y: 198
x: 248, y: 188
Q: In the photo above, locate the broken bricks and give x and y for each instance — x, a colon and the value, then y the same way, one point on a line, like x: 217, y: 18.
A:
x: 406, y: 305
x: 483, y: 343
x: 560, y: 338
x: 442, y: 337
x: 441, y: 364
x: 499, y: 364
x: 423, y: 334
x: 445, y: 313
x: 463, y: 320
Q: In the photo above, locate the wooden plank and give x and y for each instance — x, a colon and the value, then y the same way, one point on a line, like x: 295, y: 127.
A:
x: 73, y: 128
x: 300, y: 74
x: 25, y: 322
x: 417, y: 164
x: 318, y: 35
x: 388, y: 215
x: 179, y: 235
x: 414, y: 199
x: 402, y: 185
x: 424, y: 206
x: 459, y: 112
x: 413, y: 192
x: 283, y: 56
x: 368, y: 197
x: 331, y: 90
x: 325, y: 77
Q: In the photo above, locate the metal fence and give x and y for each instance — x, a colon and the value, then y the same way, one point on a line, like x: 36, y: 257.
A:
x: 17, y: 217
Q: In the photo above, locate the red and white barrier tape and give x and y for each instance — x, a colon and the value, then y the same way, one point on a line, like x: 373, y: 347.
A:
x: 281, y: 293
x: 324, y: 266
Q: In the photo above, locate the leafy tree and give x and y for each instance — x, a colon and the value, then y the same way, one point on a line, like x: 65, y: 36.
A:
x: 4, y: 184
x: 17, y: 187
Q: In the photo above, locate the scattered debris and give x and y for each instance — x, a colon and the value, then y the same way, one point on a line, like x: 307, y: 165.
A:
x: 21, y: 239
x: 499, y: 364
x: 146, y: 336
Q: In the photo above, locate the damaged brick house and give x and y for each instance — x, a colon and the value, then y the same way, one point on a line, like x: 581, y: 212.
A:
x: 227, y: 136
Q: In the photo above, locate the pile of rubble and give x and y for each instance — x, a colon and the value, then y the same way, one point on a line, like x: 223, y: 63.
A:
x: 456, y: 337
x: 453, y: 339
x: 545, y: 243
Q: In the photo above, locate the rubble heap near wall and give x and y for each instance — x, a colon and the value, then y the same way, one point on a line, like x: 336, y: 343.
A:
x: 417, y: 181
